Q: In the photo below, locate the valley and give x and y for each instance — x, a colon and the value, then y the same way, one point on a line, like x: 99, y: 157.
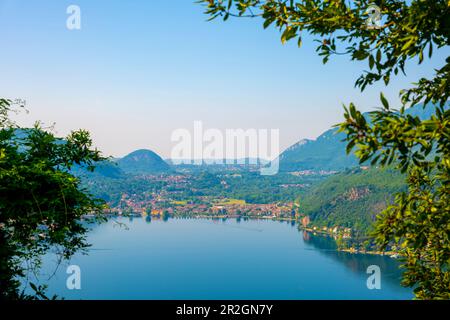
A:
x: 319, y: 187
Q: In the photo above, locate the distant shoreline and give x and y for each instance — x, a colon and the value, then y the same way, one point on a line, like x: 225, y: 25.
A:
x: 391, y: 254
x: 197, y: 216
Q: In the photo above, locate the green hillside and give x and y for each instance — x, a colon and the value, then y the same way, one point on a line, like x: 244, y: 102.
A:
x: 351, y: 199
x: 328, y: 151
x: 143, y: 162
x: 325, y: 153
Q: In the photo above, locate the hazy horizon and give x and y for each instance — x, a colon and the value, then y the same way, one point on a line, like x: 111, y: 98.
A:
x: 134, y: 73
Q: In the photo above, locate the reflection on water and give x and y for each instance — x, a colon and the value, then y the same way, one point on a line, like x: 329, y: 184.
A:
x: 356, y: 262
x: 152, y: 258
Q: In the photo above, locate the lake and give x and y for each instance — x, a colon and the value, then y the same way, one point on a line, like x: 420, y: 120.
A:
x: 216, y: 259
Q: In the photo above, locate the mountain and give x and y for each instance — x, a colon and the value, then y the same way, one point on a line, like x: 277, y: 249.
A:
x: 106, y: 169
x: 423, y: 112
x: 143, y: 162
x: 109, y: 169
x: 351, y: 199
x: 327, y: 152
x: 354, y: 197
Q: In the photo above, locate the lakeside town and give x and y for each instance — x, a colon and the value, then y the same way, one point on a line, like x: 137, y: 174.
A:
x: 235, y: 192
x: 182, y: 196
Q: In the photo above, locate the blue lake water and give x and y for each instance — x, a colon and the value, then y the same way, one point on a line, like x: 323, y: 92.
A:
x: 215, y: 259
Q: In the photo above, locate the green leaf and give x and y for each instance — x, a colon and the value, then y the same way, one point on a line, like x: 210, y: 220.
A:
x: 267, y: 23
x: 371, y: 61
x: 384, y: 101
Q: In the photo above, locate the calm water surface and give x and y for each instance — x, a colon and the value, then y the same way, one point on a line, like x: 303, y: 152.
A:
x: 215, y: 259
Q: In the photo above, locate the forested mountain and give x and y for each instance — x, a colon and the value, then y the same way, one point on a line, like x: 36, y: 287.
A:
x: 137, y: 162
x: 351, y: 199
x: 143, y: 162
x: 327, y: 152
x: 108, y: 169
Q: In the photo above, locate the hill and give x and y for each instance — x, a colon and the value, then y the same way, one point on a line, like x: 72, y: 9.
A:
x: 327, y: 152
x: 351, y: 199
x: 143, y: 162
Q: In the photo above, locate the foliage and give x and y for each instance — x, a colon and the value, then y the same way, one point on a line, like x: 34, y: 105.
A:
x: 419, y: 218
x: 410, y: 29
x: 41, y: 203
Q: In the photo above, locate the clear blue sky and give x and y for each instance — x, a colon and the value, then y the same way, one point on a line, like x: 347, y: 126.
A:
x: 139, y: 69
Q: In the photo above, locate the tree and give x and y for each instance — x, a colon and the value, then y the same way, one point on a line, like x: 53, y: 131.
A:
x: 419, y: 219
x: 41, y: 202
x: 387, y: 34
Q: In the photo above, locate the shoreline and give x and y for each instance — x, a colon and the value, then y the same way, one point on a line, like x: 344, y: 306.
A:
x: 197, y: 216
x: 391, y: 254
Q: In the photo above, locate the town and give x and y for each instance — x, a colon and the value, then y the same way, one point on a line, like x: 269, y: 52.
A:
x: 205, y: 195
